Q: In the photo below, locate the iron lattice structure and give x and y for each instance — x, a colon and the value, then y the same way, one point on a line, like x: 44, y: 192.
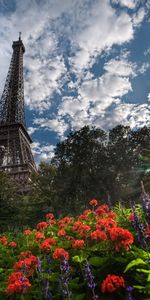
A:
x: 15, y: 151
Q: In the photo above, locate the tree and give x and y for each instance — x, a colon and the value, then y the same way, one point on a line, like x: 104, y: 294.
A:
x: 8, y: 201
x: 80, y: 162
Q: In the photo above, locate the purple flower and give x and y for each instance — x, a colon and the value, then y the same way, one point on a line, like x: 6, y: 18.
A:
x: 90, y: 279
x: 65, y: 277
x: 129, y: 290
x: 145, y: 203
x: 39, y: 267
x: 45, y: 282
x: 139, y: 228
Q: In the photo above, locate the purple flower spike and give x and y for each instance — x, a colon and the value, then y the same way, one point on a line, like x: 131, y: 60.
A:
x: 65, y: 277
x: 145, y: 203
x: 90, y: 280
x: 139, y: 228
x: 129, y: 290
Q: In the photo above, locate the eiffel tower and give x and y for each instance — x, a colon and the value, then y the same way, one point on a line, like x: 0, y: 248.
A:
x: 15, y: 152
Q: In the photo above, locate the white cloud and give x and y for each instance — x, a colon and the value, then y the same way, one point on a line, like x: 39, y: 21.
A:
x: 143, y: 68
x: 57, y: 125
x: 128, y: 3
x: 121, y: 67
x: 125, y: 113
x: 42, y: 80
x: 147, y: 51
x: 138, y: 17
x: 90, y: 28
x: 42, y: 152
x: 103, y: 28
x: 31, y: 130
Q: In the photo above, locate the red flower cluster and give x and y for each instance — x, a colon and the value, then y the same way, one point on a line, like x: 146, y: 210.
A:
x: 62, y: 224
x: 46, y: 245
x: 17, y: 283
x: 24, y: 254
x: 123, y: 238
x: 147, y: 231
x: 81, y: 228
x: 83, y: 218
x: 27, y: 232
x: 93, y: 202
x: 86, y: 212
x: 3, y: 240
x: 60, y: 253
x: 29, y: 263
x: 13, y: 244
x: 105, y: 224
x: 41, y: 225
x: 98, y: 235
x: 61, y: 232
x: 111, y: 215
x: 51, y: 222
x: 39, y: 235
x: 131, y: 217
x: 111, y: 283
x: 102, y: 209
x: 49, y: 216
x: 78, y: 244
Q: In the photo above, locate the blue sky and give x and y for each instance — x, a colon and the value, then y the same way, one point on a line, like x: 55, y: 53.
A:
x: 87, y: 62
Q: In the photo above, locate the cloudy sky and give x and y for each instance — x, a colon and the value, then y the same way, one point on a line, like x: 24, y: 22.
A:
x: 87, y: 62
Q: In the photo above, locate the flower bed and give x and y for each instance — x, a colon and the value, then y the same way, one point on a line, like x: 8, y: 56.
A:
x: 101, y: 254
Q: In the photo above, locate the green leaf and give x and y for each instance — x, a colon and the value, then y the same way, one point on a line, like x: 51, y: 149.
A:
x: 97, y: 261
x: 133, y: 263
x: 79, y: 258
x: 139, y: 287
x: 143, y: 271
x: 78, y: 297
x: 54, y: 277
x: 148, y: 278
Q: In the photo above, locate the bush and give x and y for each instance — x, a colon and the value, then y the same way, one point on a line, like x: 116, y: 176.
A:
x: 101, y: 254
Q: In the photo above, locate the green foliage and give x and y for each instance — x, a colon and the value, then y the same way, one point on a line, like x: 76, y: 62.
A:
x: 132, y: 264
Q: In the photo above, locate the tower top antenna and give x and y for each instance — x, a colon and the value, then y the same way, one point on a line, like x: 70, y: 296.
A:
x: 19, y: 35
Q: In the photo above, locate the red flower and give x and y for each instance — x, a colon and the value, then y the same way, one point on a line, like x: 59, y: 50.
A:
x: 27, y: 232
x: 13, y: 244
x: 17, y: 283
x: 93, y: 202
x: 46, y: 245
x: 131, y: 217
x: 83, y: 230
x: 60, y: 253
x: 147, y: 231
x: 49, y: 216
x: 61, y: 232
x: 51, y: 222
x: 105, y: 224
x: 24, y: 254
x: 76, y: 226
x: 122, y: 238
x: 83, y: 218
x: 98, y: 235
x: 111, y: 283
x: 78, y: 244
x: 111, y: 215
x: 86, y: 212
x: 62, y: 224
x: 30, y: 263
x: 3, y: 240
x: 41, y: 225
x: 102, y: 209
x: 39, y: 235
